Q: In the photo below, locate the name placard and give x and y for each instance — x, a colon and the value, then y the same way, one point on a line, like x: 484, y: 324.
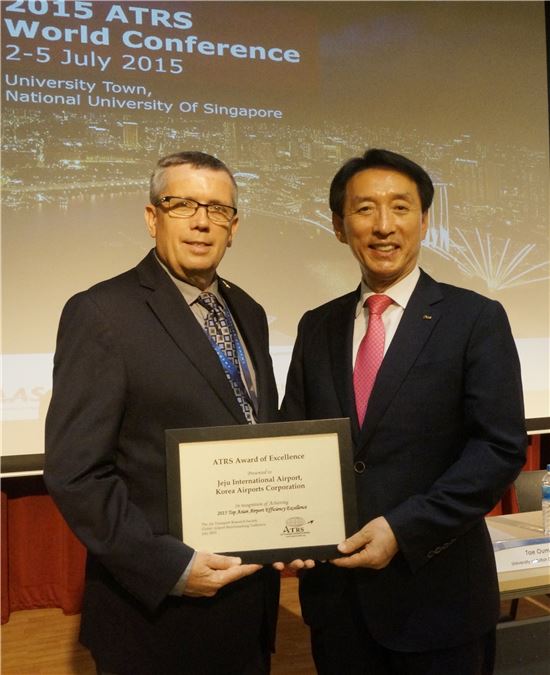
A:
x: 524, y: 555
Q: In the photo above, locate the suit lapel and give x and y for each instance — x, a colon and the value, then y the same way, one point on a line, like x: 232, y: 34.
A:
x: 250, y: 330
x: 419, y: 319
x: 340, y: 339
x: 178, y: 320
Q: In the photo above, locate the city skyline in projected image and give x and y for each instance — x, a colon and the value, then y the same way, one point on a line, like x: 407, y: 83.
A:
x: 477, y: 222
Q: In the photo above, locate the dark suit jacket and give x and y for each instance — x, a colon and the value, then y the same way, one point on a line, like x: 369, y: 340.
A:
x: 132, y: 361
x: 442, y: 439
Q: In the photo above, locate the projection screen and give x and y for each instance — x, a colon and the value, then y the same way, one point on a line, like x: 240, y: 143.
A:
x: 284, y: 92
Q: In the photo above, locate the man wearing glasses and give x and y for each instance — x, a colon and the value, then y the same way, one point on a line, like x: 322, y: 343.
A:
x: 136, y: 355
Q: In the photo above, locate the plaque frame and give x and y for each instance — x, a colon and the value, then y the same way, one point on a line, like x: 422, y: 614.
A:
x: 337, y: 433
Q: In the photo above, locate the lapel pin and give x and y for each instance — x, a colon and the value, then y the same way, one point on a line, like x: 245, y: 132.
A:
x: 428, y: 317
x: 224, y: 282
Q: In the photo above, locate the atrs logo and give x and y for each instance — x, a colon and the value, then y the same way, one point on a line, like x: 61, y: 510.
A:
x: 296, y: 527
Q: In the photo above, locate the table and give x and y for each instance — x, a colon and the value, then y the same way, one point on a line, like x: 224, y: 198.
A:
x: 523, y: 582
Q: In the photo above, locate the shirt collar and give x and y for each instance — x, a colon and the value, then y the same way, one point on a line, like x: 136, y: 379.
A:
x: 400, y: 292
x: 191, y: 293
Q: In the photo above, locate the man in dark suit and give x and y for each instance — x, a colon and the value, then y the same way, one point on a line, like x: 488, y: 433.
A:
x: 134, y: 358
x: 442, y: 437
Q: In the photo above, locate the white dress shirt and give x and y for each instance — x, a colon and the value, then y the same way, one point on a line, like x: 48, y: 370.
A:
x: 400, y: 293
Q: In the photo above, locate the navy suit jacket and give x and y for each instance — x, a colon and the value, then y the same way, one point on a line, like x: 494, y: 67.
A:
x: 443, y: 437
x: 132, y: 361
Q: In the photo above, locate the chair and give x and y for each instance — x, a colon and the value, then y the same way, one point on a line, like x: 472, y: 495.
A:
x: 527, y: 487
x: 528, y: 490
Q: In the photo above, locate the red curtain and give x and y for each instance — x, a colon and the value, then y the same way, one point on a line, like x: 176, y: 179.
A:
x: 42, y: 561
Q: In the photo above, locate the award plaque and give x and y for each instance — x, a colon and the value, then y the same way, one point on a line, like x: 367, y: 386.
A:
x: 264, y: 492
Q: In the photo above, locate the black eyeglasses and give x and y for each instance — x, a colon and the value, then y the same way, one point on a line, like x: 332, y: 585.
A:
x: 182, y: 207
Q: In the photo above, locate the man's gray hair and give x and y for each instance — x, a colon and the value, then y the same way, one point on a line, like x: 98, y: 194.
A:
x: 198, y: 160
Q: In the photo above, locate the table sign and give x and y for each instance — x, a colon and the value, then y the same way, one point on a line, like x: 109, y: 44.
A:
x: 265, y: 492
x: 519, y: 541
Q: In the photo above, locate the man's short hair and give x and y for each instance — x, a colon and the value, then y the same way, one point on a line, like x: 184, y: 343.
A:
x: 198, y: 160
x: 379, y: 159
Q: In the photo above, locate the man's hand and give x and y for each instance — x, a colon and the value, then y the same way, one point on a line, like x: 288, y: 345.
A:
x: 378, y: 544
x: 295, y: 565
x: 211, y: 571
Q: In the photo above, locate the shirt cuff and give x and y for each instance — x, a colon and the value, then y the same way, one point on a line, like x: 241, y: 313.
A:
x: 179, y: 588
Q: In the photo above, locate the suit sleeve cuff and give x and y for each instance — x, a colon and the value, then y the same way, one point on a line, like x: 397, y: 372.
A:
x: 179, y: 588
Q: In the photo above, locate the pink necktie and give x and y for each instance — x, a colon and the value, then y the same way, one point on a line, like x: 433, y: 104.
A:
x: 370, y: 354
